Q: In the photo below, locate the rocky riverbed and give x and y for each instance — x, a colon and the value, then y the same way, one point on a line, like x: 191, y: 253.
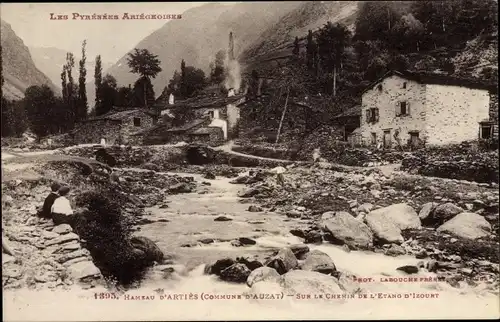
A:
x: 323, y: 232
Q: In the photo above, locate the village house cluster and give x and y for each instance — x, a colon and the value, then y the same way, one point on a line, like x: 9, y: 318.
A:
x: 401, y: 108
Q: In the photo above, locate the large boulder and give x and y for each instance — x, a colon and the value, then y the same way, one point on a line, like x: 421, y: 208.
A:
x: 345, y: 229
x: 152, y: 252
x: 426, y: 210
x: 467, y: 225
x: 443, y: 213
x: 284, y: 261
x: 388, y: 222
x: 318, y: 261
x: 236, y: 273
x: 263, y: 274
x: 308, y: 282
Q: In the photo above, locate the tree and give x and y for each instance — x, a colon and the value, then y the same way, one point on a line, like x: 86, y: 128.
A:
x: 98, y: 80
x: 13, y: 118
x: 332, y: 41
x: 408, y: 33
x: 71, y: 94
x: 147, y: 65
x: 218, y: 74
x: 376, y: 19
x: 182, y: 86
x: 64, y: 83
x: 310, y: 51
x: 194, y: 81
x: 82, y: 106
x: 125, y: 97
x: 141, y: 85
x: 108, y: 95
x: 296, y: 47
x: 39, y: 102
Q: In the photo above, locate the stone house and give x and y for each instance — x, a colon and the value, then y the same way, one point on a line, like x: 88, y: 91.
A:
x: 223, y: 111
x: 349, y: 122
x: 410, y: 108
x: 115, y: 127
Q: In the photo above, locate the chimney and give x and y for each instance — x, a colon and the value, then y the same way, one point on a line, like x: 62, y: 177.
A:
x: 171, y: 99
x: 230, y: 92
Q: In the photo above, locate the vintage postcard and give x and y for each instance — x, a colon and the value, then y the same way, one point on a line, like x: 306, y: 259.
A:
x: 275, y: 160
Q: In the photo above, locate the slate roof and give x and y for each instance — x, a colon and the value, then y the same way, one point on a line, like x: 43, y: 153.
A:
x: 118, y: 115
x: 351, y: 112
x: 189, y: 125
x: 436, y: 79
x: 205, y: 130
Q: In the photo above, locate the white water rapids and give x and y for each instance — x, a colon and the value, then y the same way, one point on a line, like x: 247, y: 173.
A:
x: 191, y: 217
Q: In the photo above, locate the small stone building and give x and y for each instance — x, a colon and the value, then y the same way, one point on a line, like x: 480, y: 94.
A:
x: 409, y: 108
x: 115, y: 127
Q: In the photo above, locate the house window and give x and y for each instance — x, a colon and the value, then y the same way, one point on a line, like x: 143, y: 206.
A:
x: 485, y: 132
x: 137, y: 121
x: 372, y: 115
x: 403, y: 109
x: 374, y: 138
x: 211, y: 113
x: 404, y: 85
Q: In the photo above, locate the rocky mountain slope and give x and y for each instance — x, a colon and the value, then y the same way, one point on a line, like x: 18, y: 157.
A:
x: 311, y: 15
x: 200, y: 33
x: 19, y: 70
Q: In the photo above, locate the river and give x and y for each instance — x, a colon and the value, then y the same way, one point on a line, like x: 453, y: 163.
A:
x: 190, y: 219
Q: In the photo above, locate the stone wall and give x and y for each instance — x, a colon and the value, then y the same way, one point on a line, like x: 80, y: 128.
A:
x: 128, y: 128
x: 453, y: 113
x: 387, y: 100
x: 94, y: 131
x: 494, y: 113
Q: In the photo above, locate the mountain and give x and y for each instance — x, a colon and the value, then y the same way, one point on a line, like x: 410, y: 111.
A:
x: 202, y: 32
x: 18, y: 67
x: 50, y: 61
x: 277, y: 40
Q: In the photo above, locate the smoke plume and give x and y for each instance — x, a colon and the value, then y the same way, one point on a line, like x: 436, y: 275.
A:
x: 233, y: 75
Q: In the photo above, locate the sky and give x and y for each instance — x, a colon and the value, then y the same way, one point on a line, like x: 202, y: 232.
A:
x: 110, y: 38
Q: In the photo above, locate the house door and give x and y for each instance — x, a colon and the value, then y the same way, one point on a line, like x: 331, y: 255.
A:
x: 414, y: 139
x: 387, y: 139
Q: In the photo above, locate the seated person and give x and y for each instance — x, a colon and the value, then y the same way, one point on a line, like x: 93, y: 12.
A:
x: 62, y: 213
x: 49, y: 201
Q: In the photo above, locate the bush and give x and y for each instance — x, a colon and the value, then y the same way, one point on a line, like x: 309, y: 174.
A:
x: 107, y: 234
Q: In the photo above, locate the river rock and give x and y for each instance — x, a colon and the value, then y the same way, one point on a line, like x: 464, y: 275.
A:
x: 299, y: 250
x: 366, y: 207
x: 443, y: 213
x: 385, y: 230
x: 252, y: 265
x: 246, y: 241
x: 209, y: 175
x: 395, y: 250
x: 254, y: 208
x: 408, y: 269
x: 222, y: 218
x: 284, y: 261
x: 346, y: 229
x: 83, y: 270
x: 62, y: 229
x: 402, y: 215
x: 309, y: 282
x: 237, y: 273
x: 467, y: 225
x: 427, y: 210
x: 318, y: 261
x: 263, y: 274
x: 181, y: 187
x: 63, y: 239
x: 219, y: 266
x: 151, y: 250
